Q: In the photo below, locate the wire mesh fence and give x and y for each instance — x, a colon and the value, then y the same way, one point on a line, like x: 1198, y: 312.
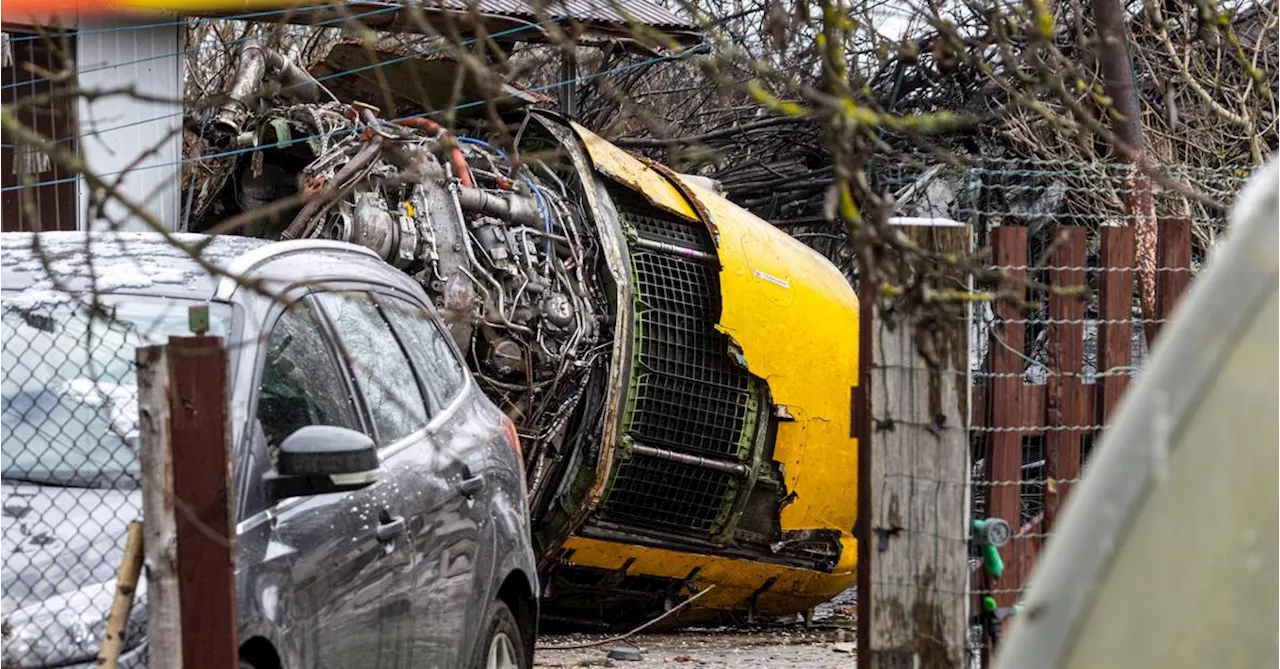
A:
x: 1059, y: 327
x: 71, y: 472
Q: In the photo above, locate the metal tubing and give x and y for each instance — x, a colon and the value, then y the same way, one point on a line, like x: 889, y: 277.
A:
x: 506, y: 206
x: 251, y: 67
x: 664, y: 247
x: 455, y: 154
x: 693, y: 460
x: 253, y: 64
x: 301, y: 225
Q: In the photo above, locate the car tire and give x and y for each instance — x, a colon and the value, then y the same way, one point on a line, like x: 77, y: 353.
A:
x: 501, y: 646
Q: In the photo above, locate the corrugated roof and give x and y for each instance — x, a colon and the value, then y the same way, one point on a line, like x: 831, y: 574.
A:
x: 619, y: 12
x: 604, y: 19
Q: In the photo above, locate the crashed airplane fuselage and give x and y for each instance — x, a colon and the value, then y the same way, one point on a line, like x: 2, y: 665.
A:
x: 680, y: 371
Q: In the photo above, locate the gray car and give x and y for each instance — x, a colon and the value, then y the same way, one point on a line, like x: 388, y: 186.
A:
x: 425, y: 563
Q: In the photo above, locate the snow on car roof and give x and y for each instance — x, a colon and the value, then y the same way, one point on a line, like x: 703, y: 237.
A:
x: 46, y: 266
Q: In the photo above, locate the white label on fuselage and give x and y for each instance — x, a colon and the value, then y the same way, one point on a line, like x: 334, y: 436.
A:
x: 772, y: 279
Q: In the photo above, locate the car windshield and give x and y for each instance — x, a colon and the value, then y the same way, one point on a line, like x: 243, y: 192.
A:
x: 70, y: 408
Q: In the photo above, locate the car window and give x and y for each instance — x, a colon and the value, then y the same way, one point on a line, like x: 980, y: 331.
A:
x: 428, y: 348
x: 70, y: 397
x: 301, y: 381
x: 379, y: 365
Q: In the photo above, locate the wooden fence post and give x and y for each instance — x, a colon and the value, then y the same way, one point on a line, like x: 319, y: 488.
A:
x: 914, y: 610
x: 164, y: 624
x: 1007, y: 399
x: 1115, y: 310
x: 190, y: 546
x: 1173, y: 266
x: 198, y: 388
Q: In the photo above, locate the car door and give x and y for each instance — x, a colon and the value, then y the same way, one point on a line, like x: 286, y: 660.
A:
x: 458, y: 535
x: 341, y: 552
x: 393, y: 395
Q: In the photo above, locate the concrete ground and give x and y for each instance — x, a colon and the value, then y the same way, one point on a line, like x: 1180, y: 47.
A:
x: 780, y: 647
x: 827, y: 643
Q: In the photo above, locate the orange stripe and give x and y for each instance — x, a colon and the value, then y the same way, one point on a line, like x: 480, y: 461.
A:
x: 26, y: 11
x: 41, y: 11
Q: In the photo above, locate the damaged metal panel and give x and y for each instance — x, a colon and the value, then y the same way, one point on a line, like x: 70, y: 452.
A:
x: 403, y: 77
x: 627, y: 169
x: 788, y: 325
x: 739, y: 582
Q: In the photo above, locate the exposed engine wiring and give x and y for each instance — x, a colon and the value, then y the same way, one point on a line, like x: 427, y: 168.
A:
x: 500, y: 247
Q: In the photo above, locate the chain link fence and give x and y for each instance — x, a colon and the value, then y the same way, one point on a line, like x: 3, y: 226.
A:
x: 71, y: 473
x: 74, y: 314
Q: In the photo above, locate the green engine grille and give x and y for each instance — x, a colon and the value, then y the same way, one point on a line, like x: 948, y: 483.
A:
x: 669, y: 494
x: 660, y: 227
x: 689, y: 395
x: 686, y: 394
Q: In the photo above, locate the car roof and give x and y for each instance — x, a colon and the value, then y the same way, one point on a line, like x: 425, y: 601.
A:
x: 178, y: 265
x: 117, y: 262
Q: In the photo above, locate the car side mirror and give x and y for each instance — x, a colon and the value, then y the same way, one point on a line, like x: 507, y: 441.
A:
x: 320, y: 459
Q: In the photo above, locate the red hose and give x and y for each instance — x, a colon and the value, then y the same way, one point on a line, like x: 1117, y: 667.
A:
x: 455, y: 156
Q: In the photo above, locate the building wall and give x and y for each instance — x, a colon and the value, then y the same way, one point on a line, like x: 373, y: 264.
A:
x: 121, y: 133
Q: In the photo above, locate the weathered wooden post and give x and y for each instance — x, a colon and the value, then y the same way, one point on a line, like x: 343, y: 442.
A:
x: 914, y: 468
x: 164, y: 625
x: 187, y: 516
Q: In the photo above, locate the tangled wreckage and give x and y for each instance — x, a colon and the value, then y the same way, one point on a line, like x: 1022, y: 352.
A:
x: 680, y: 371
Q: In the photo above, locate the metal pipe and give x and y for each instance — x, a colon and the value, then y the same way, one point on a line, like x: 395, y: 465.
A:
x: 300, y: 227
x: 253, y: 64
x: 693, y: 460
x: 454, y: 190
x: 546, y: 235
x: 246, y: 81
x: 455, y: 155
x: 664, y: 247
x: 298, y: 82
x: 508, y: 206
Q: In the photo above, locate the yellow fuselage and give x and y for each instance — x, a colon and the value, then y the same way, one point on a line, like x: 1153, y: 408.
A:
x: 793, y: 319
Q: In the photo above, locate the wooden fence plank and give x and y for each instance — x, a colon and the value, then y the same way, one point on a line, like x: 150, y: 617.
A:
x: 1033, y: 408
x: 1173, y: 260
x: 198, y: 372
x: 1066, y: 358
x: 1007, y: 402
x: 1115, y: 309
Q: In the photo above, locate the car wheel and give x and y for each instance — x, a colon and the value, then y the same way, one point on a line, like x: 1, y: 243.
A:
x: 501, y: 646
